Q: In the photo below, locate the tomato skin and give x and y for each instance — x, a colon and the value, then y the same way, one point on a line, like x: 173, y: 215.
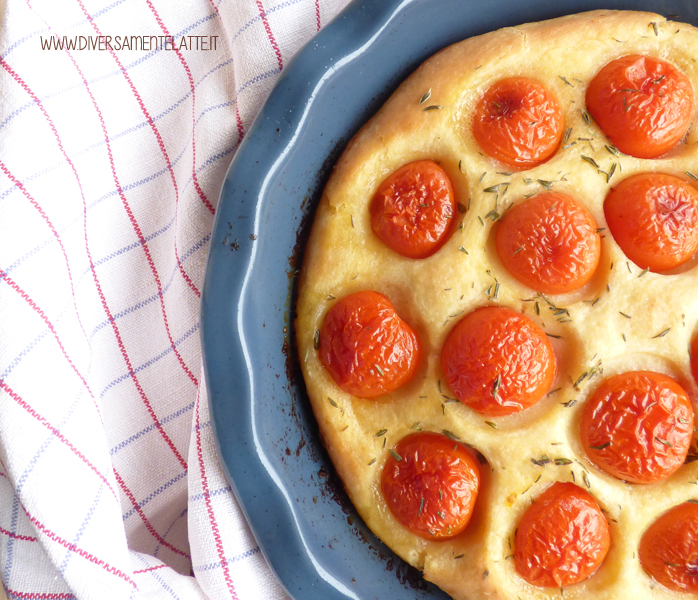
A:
x: 412, y: 210
x: 549, y: 242
x: 562, y: 538
x: 643, y: 104
x: 518, y: 122
x: 654, y: 219
x: 367, y: 348
x: 669, y: 549
x: 432, y: 490
x: 648, y: 419
x: 498, y: 344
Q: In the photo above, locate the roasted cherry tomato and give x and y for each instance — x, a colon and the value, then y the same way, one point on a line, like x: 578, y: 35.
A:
x: 412, y: 210
x: 637, y: 426
x: 367, y: 348
x: 643, y: 104
x: 498, y: 361
x: 654, y: 219
x: 518, y: 122
x: 669, y: 549
x: 430, y: 484
x: 562, y: 538
x: 550, y: 243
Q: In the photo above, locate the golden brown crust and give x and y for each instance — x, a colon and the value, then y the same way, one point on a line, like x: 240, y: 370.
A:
x: 343, y: 256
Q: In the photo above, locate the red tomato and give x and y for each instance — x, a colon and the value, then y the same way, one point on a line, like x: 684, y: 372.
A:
x: 669, y: 549
x: 498, y: 361
x: 638, y: 426
x: 654, y: 219
x: 430, y: 484
x: 562, y: 538
x: 643, y: 104
x: 550, y: 243
x: 518, y: 122
x: 412, y: 210
x: 367, y: 348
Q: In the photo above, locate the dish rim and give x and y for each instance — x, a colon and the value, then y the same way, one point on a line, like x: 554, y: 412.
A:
x: 354, y: 35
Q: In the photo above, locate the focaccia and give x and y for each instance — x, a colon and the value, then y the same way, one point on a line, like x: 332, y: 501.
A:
x: 625, y: 318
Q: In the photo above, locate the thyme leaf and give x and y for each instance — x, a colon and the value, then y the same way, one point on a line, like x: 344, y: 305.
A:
x: 661, y: 334
x: 496, y: 385
x: 395, y: 455
x: 450, y: 435
x: 494, y: 189
x: 591, y: 161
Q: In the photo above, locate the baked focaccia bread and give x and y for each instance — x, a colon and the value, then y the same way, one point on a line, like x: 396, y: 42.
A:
x: 496, y: 309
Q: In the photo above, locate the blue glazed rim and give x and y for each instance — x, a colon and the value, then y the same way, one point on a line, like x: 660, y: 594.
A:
x: 266, y: 436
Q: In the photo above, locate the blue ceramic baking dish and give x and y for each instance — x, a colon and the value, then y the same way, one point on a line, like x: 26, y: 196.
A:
x: 267, y: 438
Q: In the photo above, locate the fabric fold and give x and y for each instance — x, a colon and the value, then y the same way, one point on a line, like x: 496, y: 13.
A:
x: 112, y: 157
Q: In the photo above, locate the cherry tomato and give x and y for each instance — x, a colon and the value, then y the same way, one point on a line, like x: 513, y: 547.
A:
x: 412, y: 210
x: 518, y: 122
x: 643, y: 104
x: 562, y: 538
x: 430, y: 484
x: 669, y: 549
x: 367, y: 348
x: 654, y: 219
x: 550, y: 243
x: 637, y: 426
x: 498, y: 361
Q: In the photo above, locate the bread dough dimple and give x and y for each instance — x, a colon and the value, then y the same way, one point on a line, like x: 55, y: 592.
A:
x: 343, y: 256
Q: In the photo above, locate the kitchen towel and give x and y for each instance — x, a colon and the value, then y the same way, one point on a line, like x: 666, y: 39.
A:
x: 118, y: 120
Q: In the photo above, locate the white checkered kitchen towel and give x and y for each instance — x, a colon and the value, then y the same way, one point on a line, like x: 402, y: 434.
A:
x: 111, y: 161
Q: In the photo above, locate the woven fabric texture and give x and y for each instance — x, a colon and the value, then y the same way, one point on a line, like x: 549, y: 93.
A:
x: 112, y: 156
